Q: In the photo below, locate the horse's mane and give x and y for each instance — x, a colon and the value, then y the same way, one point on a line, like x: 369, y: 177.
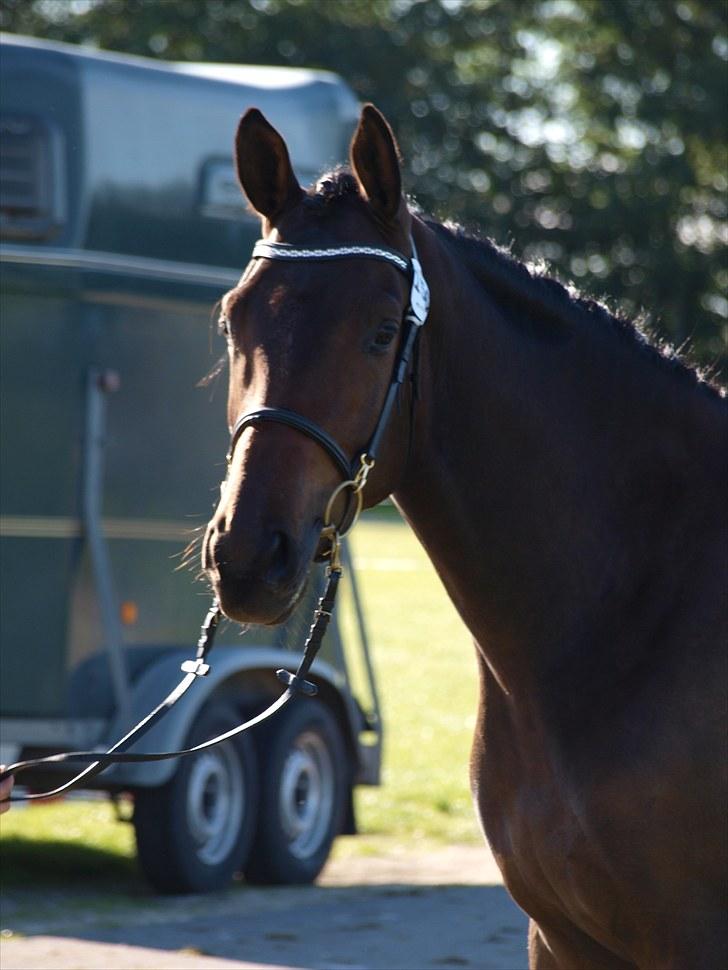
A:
x: 549, y: 303
x: 546, y: 307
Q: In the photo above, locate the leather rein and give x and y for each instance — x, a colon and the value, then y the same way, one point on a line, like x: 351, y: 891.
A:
x: 354, y: 474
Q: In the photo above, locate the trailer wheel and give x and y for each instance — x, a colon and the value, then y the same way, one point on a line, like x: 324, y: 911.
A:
x: 305, y: 778
x: 194, y: 832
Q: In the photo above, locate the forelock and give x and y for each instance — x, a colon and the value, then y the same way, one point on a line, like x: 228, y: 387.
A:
x: 336, y: 184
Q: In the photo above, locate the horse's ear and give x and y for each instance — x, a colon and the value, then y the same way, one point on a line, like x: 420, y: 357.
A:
x: 375, y: 161
x: 264, y: 167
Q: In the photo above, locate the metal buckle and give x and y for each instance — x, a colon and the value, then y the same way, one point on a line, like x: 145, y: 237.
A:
x: 419, y: 293
x: 356, y: 484
x: 197, y: 667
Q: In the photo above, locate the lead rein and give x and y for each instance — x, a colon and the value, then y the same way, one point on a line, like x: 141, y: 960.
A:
x: 194, y: 668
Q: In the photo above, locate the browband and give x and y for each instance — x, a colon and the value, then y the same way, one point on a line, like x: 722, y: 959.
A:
x: 419, y: 302
x: 274, y: 250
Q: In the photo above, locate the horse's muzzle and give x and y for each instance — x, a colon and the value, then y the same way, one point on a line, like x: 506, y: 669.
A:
x: 261, y: 586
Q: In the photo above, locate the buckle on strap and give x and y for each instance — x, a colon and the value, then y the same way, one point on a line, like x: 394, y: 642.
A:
x: 420, y: 292
x: 296, y: 683
x: 196, y: 666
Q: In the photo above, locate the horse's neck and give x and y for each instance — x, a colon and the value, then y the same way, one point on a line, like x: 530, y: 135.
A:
x: 537, y: 484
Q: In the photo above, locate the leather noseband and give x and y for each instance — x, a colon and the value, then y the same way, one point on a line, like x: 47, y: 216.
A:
x: 293, y: 420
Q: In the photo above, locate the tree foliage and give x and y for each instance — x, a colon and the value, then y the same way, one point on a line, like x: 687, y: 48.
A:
x: 589, y: 133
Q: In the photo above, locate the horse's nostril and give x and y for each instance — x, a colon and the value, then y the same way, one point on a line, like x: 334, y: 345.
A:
x: 276, y: 545
x: 214, y: 551
x: 271, y: 560
x: 278, y: 566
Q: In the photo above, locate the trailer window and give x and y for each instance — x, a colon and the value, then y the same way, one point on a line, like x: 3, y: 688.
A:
x: 220, y: 196
x: 32, y: 182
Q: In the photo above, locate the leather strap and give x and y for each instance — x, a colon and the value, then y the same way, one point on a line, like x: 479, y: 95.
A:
x: 398, y: 375
x: 277, y: 250
x: 295, y: 684
x: 300, y: 423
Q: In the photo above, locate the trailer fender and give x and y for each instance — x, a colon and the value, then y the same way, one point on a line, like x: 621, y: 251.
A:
x: 170, y: 733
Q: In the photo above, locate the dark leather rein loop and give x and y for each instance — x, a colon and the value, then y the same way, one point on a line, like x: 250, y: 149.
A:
x: 295, y: 684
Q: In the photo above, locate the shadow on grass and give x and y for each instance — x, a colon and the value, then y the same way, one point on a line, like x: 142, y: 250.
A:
x: 27, y: 862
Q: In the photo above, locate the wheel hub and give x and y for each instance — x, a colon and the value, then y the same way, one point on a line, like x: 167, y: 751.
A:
x: 215, y: 803
x: 306, y: 794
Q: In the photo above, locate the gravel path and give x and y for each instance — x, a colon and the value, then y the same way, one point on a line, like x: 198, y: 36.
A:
x: 445, y: 908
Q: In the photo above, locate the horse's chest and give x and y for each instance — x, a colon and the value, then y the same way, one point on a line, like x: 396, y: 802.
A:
x: 528, y: 811
x: 534, y: 837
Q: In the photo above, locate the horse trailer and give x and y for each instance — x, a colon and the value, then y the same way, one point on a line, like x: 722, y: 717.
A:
x: 121, y: 225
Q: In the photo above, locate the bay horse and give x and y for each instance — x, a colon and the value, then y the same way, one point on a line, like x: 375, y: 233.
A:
x: 567, y: 480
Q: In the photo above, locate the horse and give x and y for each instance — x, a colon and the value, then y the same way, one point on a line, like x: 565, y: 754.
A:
x: 566, y: 478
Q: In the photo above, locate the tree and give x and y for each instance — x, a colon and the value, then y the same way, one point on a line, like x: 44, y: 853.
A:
x: 589, y: 133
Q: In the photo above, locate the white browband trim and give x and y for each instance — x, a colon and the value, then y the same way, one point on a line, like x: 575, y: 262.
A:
x: 271, y: 250
x: 419, y: 290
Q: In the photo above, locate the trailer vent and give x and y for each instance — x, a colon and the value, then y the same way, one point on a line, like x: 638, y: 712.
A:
x: 32, y: 183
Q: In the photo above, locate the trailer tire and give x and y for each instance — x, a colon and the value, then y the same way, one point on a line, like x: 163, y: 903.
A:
x: 305, y: 779
x: 194, y: 832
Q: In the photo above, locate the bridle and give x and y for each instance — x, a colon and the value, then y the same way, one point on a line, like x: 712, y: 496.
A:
x: 354, y: 472
x: 354, y: 478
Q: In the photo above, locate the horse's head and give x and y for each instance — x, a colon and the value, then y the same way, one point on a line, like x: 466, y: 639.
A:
x: 311, y: 337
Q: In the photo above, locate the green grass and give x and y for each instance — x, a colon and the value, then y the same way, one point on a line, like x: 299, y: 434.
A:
x: 426, y: 676
x: 426, y: 673
x: 63, y: 841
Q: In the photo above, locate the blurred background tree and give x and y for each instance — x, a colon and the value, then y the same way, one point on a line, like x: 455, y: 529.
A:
x: 590, y: 134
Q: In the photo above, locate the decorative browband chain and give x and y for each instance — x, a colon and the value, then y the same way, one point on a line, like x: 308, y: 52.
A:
x: 273, y: 250
x: 420, y: 292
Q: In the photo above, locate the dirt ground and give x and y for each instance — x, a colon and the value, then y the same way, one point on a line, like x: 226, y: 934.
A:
x: 445, y: 908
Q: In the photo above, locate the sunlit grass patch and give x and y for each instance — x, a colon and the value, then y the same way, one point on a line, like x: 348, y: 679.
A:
x: 426, y: 672
x: 67, y: 841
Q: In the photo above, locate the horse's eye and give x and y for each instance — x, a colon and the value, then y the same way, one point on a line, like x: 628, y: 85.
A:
x: 384, y: 337
x: 223, y: 326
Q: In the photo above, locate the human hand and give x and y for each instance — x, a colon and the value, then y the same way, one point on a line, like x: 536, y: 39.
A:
x: 5, y: 789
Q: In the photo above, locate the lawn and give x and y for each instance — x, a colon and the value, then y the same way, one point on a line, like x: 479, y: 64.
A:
x: 426, y: 673
x: 427, y: 682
